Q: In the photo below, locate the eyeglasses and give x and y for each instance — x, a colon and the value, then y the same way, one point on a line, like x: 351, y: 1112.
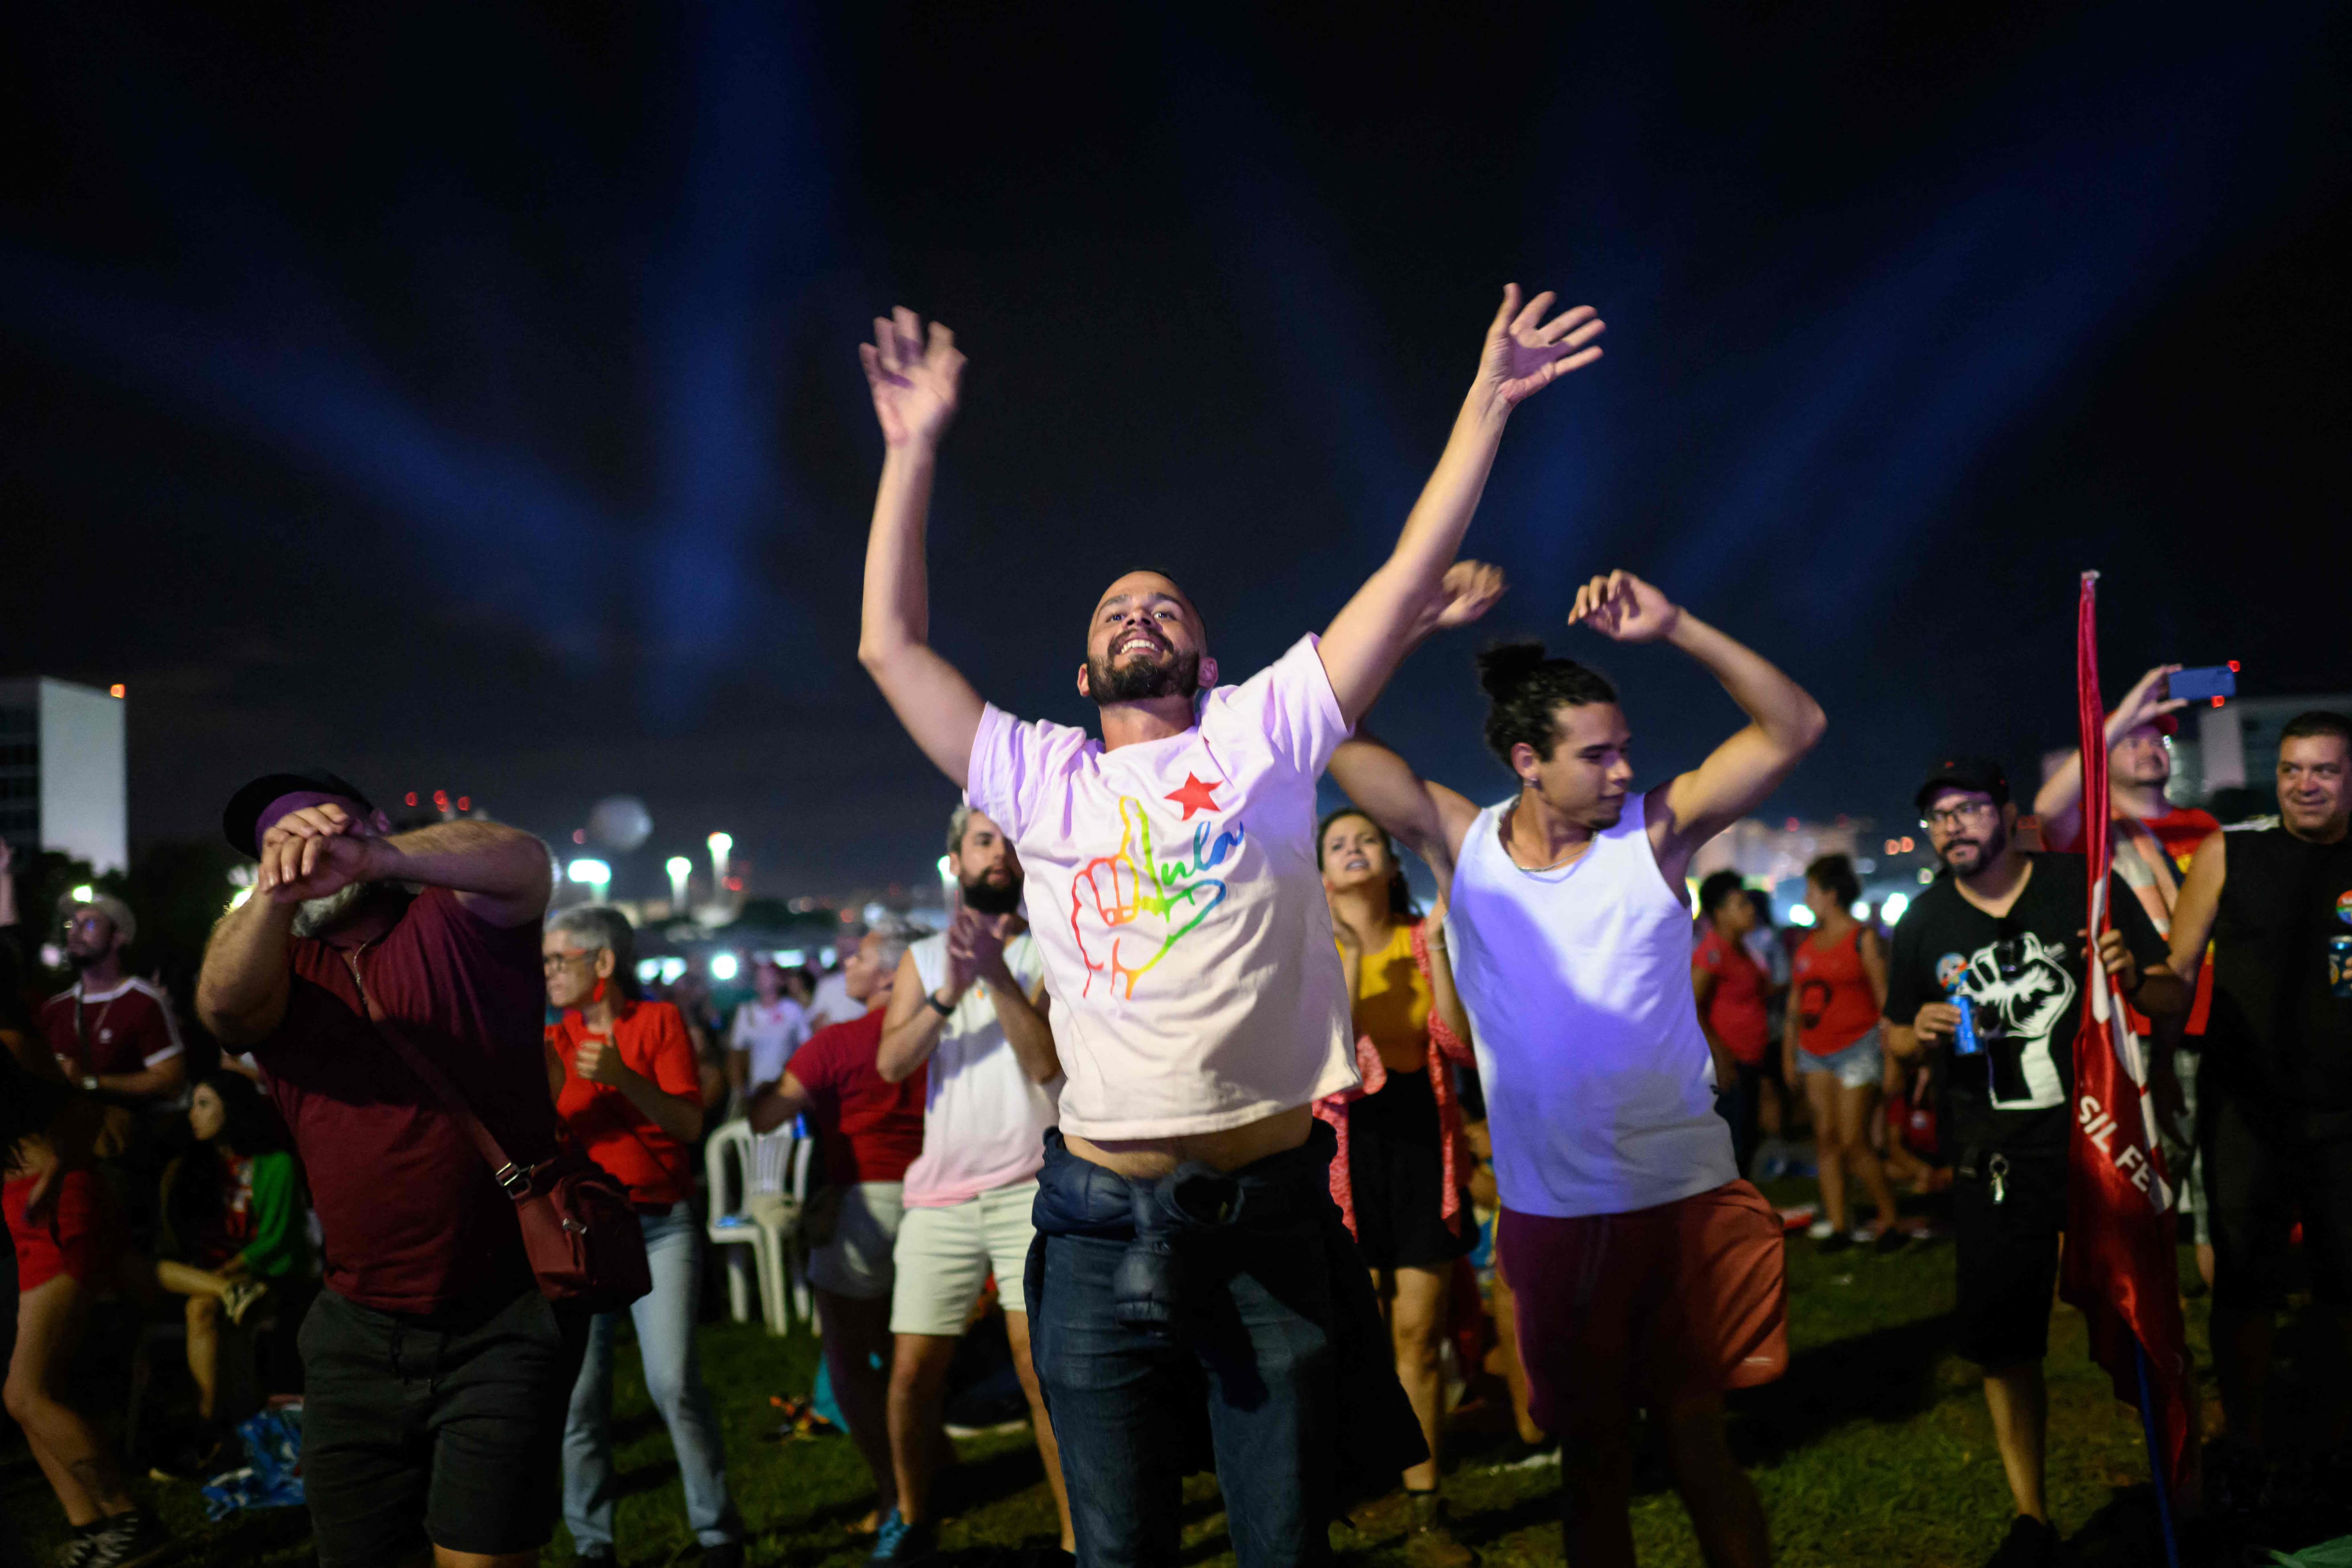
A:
x: 552, y: 962
x: 1952, y: 815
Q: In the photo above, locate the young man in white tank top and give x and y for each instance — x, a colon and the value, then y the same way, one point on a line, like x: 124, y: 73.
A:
x: 970, y: 1002
x: 1191, y: 1271
x: 1646, y: 1272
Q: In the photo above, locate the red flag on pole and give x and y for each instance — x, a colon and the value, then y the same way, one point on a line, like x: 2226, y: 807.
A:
x: 2120, y: 1266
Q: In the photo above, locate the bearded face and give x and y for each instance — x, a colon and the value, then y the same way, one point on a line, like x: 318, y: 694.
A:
x: 995, y: 891
x: 323, y: 917
x: 1148, y: 668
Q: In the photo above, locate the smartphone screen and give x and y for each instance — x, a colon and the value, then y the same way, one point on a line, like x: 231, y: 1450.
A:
x: 2203, y: 683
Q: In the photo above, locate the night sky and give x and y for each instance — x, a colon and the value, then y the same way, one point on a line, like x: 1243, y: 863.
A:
x: 466, y: 396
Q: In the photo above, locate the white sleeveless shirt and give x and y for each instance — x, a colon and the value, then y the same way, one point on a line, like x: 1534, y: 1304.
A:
x: 1599, y: 1090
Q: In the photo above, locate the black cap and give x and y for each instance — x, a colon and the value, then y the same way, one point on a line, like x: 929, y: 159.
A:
x: 1979, y: 775
x: 238, y: 820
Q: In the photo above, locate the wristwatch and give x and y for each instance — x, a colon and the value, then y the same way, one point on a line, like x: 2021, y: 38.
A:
x: 944, y: 1009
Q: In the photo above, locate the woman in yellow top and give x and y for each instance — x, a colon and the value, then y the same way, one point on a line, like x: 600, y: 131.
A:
x: 1402, y: 1165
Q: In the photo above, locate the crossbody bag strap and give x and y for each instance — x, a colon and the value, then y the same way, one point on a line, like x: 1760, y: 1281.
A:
x: 509, y: 1175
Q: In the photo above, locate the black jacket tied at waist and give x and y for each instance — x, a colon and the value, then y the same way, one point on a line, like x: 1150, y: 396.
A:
x: 1281, y: 1202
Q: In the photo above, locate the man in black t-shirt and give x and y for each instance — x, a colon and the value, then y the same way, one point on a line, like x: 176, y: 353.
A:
x: 2276, y: 1098
x: 2005, y: 930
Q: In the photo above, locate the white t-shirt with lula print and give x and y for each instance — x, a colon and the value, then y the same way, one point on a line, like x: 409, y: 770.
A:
x: 1173, y: 892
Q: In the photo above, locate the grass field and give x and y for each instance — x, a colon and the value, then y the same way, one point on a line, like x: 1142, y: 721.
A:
x: 1875, y: 1449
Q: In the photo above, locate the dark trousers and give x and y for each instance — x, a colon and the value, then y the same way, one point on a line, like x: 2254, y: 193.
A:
x: 446, y: 1429
x: 1253, y: 1345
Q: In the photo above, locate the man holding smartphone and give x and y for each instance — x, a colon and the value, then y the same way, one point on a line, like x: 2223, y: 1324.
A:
x: 2154, y: 842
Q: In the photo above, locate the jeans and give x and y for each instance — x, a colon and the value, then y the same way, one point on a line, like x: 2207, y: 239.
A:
x: 1260, y: 1326
x: 665, y: 1319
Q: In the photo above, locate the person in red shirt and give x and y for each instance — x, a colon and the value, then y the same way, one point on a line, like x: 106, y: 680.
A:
x: 632, y: 1096
x: 2154, y: 842
x: 1731, y: 988
x: 112, y: 1033
x: 1832, y: 1044
x: 435, y: 1374
x: 871, y: 1131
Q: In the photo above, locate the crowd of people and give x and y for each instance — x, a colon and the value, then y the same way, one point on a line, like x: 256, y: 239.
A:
x: 1220, y: 1134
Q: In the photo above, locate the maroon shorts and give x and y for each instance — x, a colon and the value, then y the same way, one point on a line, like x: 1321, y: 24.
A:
x: 1659, y: 1307
x: 79, y: 1238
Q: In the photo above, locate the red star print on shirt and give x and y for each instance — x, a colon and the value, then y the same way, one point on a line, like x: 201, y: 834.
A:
x: 1196, y: 795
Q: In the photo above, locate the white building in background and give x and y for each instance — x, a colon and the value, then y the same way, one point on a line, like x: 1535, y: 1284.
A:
x: 63, y: 780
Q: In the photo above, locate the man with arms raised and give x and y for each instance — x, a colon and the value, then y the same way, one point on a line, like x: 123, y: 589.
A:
x: 1646, y: 1272
x: 2003, y: 932
x: 436, y: 1377
x: 1184, y: 1208
x: 2154, y: 842
x: 969, y: 1005
x: 2275, y: 1116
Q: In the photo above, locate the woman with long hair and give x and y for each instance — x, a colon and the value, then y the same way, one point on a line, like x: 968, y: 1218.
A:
x: 1831, y: 1044
x: 234, y: 1205
x: 632, y: 1095
x: 1400, y: 1171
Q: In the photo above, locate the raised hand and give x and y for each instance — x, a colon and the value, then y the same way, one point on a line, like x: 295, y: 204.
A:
x: 914, y: 386
x: 2144, y: 702
x: 310, y: 853
x: 1524, y: 353
x: 1468, y: 590
x: 1623, y: 608
x: 975, y: 949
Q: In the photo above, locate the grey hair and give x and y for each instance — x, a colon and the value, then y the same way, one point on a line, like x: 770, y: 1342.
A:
x: 897, y: 934
x: 601, y: 928
x: 958, y: 820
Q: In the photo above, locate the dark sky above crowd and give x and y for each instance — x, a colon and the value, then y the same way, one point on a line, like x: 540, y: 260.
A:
x: 464, y: 396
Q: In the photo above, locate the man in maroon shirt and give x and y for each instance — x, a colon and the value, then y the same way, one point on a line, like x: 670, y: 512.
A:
x: 872, y: 1129
x: 113, y: 1032
x: 437, y: 1375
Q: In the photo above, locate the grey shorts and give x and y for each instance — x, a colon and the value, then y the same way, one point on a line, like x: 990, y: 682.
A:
x: 857, y: 1262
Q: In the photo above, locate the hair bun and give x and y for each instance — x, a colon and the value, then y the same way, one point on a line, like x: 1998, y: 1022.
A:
x: 1504, y: 666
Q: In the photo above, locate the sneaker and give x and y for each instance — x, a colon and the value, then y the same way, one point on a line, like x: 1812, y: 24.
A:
x: 2030, y: 1543
x: 75, y: 1553
x: 239, y: 1298
x: 1428, y: 1542
x: 127, y: 1541
x: 899, y: 1543
x: 1820, y: 1230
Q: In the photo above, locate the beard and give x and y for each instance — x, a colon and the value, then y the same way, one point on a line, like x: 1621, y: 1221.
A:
x: 321, y: 917
x: 1988, y: 850
x: 989, y: 898
x: 1143, y: 676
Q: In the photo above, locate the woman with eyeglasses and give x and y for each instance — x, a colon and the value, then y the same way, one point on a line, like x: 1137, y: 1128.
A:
x: 1831, y: 1044
x: 632, y: 1095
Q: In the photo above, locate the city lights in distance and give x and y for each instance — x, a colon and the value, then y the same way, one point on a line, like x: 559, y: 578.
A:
x: 117, y: 690
x: 83, y: 894
x: 410, y: 797
x: 1892, y: 909
x: 1861, y: 910
x: 237, y: 899
x: 585, y: 869
x: 1800, y: 914
x: 724, y: 967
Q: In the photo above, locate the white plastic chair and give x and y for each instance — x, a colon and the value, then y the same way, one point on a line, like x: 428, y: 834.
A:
x: 727, y: 1167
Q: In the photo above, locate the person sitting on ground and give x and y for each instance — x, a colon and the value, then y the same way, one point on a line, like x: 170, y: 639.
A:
x: 1729, y: 986
x: 871, y: 1129
x: 632, y: 1099
x: 234, y: 1205
x: 1832, y: 1044
x: 1399, y: 1172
